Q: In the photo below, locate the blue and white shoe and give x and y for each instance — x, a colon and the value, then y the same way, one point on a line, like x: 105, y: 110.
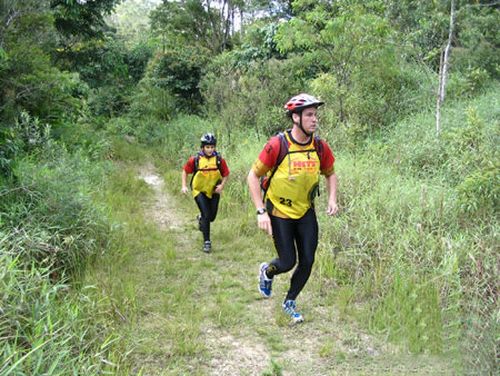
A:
x: 207, y: 246
x: 265, y: 283
x: 289, y: 307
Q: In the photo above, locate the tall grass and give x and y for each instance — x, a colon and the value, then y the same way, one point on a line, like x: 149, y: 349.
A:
x: 52, y: 200
x: 46, y: 328
x: 410, y: 242
x: 410, y: 255
x: 51, y: 228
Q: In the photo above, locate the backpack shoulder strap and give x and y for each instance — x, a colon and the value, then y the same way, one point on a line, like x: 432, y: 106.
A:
x: 265, y: 181
x: 318, y: 146
x: 283, y: 149
x: 196, y: 162
x: 218, y: 162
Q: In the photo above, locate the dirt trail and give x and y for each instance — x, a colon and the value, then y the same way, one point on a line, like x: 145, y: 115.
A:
x: 229, y: 355
x: 163, y: 210
x: 323, y: 345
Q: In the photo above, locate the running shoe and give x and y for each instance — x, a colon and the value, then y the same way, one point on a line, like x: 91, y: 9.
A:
x: 289, y: 307
x: 265, y: 283
x: 207, y: 246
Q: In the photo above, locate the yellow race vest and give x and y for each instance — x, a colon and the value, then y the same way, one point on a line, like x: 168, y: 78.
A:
x: 295, y: 181
x: 206, y: 176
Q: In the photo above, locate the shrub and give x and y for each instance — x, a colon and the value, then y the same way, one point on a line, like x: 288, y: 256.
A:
x: 246, y: 98
x: 31, y: 84
x: 179, y: 71
x: 152, y: 101
x: 17, y: 140
x: 479, y: 193
x: 51, y: 208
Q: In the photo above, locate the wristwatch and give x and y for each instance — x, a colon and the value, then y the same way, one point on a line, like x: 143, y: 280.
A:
x: 261, y: 211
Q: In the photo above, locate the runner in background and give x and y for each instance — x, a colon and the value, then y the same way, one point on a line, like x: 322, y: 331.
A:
x: 210, y: 173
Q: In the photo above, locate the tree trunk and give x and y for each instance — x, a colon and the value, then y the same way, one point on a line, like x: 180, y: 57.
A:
x: 242, y: 31
x: 225, y: 18
x: 443, y: 69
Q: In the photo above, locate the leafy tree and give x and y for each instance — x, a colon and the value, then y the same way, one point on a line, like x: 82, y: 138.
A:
x: 28, y: 79
x: 187, y: 23
x: 131, y: 20
x: 478, y: 40
x: 208, y: 24
x: 258, y: 43
x: 179, y: 71
x: 137, y: 58
x: 274, y: 10
x: 424, y: 25
x: 33, y: 91
x: 86, y: 45
x: 81, y: 18
x: 355, y: 48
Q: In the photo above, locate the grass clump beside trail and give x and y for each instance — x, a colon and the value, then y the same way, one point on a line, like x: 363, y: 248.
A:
x: 416, y: 241
x: 51, y: 228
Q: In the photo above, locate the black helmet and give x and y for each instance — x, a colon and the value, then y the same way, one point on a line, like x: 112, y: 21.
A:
x: 208, y: 139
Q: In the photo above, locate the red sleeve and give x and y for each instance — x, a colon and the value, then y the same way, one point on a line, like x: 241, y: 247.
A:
x: 189, y: 166
x: 269, y: 155
x: 223, y: 167
x: 327, y: 159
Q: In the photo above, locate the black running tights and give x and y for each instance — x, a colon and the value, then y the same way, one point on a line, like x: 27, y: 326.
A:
x: 208, y: 209
x: 292, y: 238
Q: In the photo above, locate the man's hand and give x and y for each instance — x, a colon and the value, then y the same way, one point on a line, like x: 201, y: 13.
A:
x: 264, y: 223
x: 219, y: 188
x: 332, y: 208
x: 331, y: 187
x: 185, y: 190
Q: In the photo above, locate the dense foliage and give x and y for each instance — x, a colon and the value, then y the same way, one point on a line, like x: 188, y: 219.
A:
x: 418, y: 238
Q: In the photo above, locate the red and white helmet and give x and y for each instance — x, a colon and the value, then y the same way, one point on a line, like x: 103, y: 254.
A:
x: 300, y: 102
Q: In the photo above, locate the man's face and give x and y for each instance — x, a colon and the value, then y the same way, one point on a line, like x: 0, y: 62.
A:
x: 208, y: 150
x: 309, y: 119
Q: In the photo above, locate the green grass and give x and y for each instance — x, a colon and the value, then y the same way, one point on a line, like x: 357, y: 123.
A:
x: 187, y: 313
x: 47, y: 328
x: 410, y: 313
x: 51, y: 229
x: 403, y: 280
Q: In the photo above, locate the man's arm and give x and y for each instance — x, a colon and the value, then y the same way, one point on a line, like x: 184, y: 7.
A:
x: 263, y: 220
x: 331, y: 187
x: 184, y: 188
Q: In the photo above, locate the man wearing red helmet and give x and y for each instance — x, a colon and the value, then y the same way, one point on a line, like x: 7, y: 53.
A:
x: 292, y: 162
x: 210, y: 173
